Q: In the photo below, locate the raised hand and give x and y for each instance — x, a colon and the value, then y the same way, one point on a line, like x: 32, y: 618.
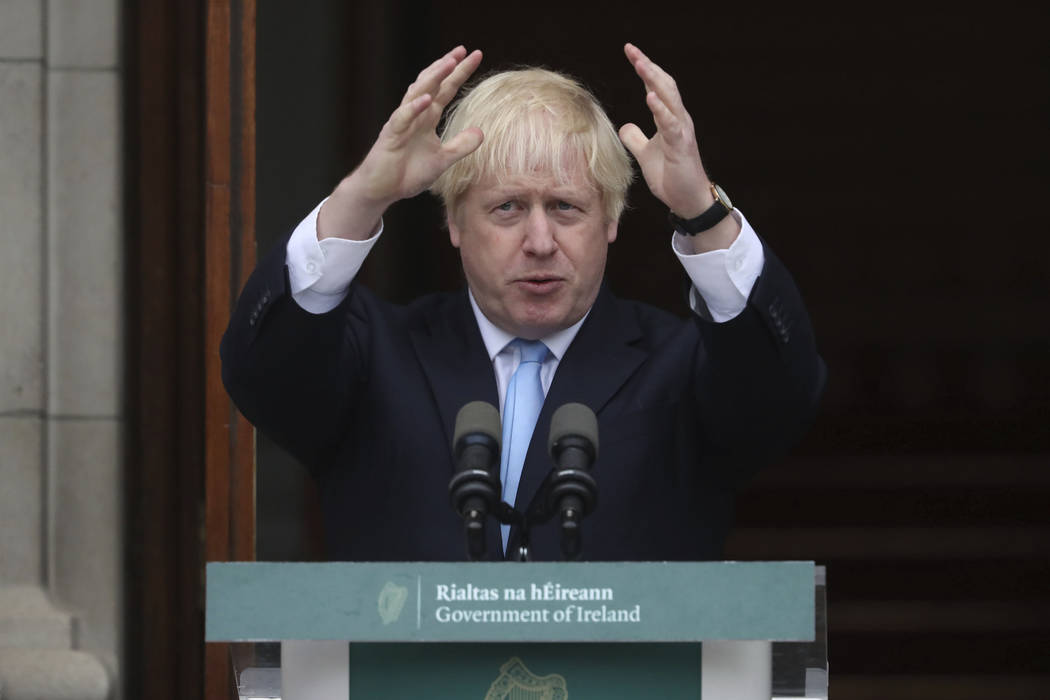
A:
x: 408, y: 155
x: 670, y: 160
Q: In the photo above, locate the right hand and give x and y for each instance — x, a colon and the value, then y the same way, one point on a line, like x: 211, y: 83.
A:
x: 408, y: 156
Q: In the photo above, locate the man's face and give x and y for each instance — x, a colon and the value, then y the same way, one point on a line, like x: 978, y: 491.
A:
x: 533, y: 250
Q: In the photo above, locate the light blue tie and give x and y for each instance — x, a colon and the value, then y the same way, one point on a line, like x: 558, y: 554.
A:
x: 520, y: 411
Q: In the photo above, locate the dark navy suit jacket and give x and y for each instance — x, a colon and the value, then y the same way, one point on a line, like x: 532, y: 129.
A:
x: 366, y: 397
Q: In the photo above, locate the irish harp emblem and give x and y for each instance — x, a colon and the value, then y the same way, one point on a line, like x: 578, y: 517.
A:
x: 515, y: 682
x: 391, y: 601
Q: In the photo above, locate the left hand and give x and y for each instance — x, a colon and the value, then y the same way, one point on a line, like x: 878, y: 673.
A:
x: 670, y: 160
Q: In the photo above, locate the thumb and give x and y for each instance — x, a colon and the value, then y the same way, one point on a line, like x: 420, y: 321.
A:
x: 462, y: 144
x: 633, y: 138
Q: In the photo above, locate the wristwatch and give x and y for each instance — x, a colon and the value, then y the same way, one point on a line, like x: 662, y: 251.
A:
x: 709, y: 219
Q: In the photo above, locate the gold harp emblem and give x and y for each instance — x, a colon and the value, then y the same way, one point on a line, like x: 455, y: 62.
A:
x: 516, y: 682
x: 391, y: 602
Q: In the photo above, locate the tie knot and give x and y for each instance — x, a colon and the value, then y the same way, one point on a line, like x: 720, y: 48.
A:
x: 532, y: 350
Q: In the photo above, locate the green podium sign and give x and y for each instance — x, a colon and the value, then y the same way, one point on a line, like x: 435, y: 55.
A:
x: 574, y: 630
x: 502, y: 602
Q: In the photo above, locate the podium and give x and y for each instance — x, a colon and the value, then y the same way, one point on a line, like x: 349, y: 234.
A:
x: 737, y: 630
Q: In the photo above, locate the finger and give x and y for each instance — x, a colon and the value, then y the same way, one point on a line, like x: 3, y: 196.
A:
x: 462, y: 72
x: 633, y: 139
x: 662, y: 84
x: 462, y: 144
x: 429, y: 79
x: 634, y: 55
x: 405, y: 115
x: 668, y: 124
x: 656, y: 79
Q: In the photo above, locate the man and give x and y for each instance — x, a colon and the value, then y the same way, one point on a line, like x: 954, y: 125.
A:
x: 533, y: 177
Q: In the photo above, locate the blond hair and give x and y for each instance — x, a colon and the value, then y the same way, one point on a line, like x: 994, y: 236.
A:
x: 535, y: 122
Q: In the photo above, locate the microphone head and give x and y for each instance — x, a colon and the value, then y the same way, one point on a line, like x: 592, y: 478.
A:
x: 478, y: 417
x: 573, y: 419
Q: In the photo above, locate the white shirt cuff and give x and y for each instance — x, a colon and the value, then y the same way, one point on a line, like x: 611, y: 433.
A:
x: 320, y: 272
x: 724, y: 278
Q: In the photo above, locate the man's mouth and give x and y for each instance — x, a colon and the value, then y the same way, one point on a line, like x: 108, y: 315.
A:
x: 539, y: 284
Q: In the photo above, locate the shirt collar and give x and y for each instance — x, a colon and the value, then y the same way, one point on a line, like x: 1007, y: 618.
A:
x: 496, y: 338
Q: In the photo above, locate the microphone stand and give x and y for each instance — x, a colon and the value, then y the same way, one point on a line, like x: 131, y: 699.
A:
x: 571, y: 493
x: 508, y: 515
x: 569, y: 489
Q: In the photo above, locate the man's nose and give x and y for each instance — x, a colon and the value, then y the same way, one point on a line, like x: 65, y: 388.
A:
x: 539, y: 233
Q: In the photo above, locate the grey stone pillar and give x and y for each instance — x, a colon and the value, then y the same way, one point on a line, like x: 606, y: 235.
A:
x: 60, y: 349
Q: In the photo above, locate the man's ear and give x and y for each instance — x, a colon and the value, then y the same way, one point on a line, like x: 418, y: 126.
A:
x: 610, y: 233
x: 453, y: 229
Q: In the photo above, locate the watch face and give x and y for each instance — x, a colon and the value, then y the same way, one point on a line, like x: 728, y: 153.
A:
x: 723, y: 196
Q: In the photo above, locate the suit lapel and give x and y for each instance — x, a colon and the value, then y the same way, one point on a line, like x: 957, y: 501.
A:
x: 449, y: 347
x: 599, y: 361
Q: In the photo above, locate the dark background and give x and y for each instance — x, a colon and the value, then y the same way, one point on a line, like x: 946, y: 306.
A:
x: 896, y: 158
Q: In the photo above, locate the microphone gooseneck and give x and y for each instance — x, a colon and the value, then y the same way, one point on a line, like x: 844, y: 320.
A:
x: 474, y: 490
x: 573, y: 492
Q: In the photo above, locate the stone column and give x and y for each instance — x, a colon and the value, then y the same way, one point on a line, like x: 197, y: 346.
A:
x: 61, y: 244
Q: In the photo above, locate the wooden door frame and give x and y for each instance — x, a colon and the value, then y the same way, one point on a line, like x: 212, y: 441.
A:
x: 229, y: 257
x: 189, y: 113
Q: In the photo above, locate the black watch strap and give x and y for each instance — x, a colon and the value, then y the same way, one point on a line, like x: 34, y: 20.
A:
x: 707, y: 220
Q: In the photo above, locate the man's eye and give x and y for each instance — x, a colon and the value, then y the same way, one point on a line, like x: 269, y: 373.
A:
x: 506, y: 206
x: 565, y: 206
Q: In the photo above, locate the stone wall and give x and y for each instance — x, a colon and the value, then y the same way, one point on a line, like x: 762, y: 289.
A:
x: 61, y: 366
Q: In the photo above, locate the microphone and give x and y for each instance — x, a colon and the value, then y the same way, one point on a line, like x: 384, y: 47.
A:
x: 573, y: 444
x: 475, y: 488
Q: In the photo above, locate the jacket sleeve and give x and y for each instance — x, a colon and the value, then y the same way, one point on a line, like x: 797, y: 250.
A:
x: 759, y: 378
x: 290, y: 372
